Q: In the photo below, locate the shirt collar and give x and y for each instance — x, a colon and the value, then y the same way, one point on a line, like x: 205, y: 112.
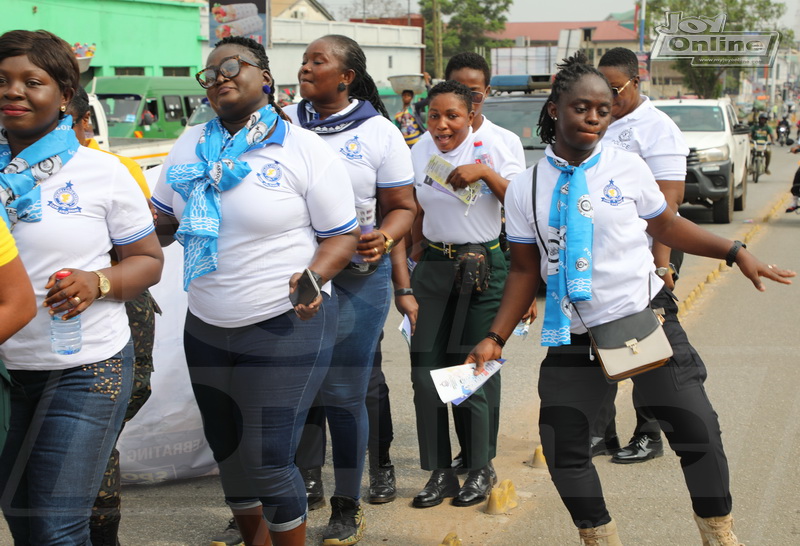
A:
x: 549, y: 152
x: 343, y: 112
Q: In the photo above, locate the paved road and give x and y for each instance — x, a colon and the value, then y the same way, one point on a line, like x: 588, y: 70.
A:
x: 749, y: 340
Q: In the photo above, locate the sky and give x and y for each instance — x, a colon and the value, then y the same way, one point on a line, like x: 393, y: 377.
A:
x: 566, y: 10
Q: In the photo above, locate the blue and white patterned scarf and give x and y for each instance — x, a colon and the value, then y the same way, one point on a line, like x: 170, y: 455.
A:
x: 200, y: 184
x: 569, y: 250
x: 20, y: 177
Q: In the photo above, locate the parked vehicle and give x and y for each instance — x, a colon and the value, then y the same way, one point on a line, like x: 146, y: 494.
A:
x: 147, y: 106
x: 718, y: 161
x: 147, y: 152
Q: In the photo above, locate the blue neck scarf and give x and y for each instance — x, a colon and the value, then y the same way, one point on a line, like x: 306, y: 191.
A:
x: 335, y: 124
x: 200, y: 184
x: 20, y: 177
x: 569, y: 249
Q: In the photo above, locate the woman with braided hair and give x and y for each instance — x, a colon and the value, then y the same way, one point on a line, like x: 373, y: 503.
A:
x: 255, y: 201
x: 341, y: 104
x: 594, y: 205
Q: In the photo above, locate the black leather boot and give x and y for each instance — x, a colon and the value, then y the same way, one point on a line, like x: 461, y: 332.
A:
x: 382, y: 484
x: 442, y: 484
x: 476, y: 487
x: 641, y: 448
x: 315, y: 492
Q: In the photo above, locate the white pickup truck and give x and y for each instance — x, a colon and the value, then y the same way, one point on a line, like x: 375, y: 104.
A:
x: 147, y: 152
x: 717, y: 166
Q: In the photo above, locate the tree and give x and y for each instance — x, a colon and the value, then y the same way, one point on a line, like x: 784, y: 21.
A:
x: 466, y: 25
x: 374, y: 9
x: 742, y: 15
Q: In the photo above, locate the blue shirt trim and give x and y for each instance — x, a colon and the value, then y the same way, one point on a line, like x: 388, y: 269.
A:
x: 395, y: 184
x: 660, y: 210
x: 135, y: 237
x: 347, y: 228
x: 522, y: 240
x: 162, y: 206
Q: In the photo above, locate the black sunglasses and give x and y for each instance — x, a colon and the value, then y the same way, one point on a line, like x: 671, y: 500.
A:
x: 617, y: 90
x: 229, y: 68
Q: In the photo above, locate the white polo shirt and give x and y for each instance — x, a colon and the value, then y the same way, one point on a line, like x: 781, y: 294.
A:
x: 624, y: 194
x: 652, y: 135
x: 374, y: 153
x: 489, y: 132
x: 88, y: 206
x: 297, y: 190
x: 444, y: 219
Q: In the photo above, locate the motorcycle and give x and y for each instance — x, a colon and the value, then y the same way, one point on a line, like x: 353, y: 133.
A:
x: 758, y: 161
x: 783, y: 134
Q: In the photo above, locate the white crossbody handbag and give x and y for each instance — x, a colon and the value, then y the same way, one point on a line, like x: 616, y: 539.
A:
x: 628, y: 346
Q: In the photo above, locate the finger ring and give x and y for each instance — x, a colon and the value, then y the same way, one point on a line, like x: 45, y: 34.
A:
x: 769, y: 266
x: 374, y: 250
x: 77, y: 300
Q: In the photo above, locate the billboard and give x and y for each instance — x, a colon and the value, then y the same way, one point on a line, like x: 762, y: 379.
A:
x: 231, y: 18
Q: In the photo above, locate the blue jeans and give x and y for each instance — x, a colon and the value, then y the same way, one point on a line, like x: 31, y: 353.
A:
x: 64, y: 424
x: 363, y: 305
x: 254, y: 385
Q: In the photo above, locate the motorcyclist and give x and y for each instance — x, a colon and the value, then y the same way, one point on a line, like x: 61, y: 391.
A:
x: 763, y: 132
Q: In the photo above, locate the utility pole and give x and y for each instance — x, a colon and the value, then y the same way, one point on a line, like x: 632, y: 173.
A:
x: 438, y: 65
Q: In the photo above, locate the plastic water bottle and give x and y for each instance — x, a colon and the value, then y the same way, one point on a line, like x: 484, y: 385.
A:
x: 522, y: 328
x: 65, y: 335
x: 365, y: 214
x: 482, y: 157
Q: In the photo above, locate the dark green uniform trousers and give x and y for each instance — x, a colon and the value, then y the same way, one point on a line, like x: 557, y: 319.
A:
x: 448, y: 326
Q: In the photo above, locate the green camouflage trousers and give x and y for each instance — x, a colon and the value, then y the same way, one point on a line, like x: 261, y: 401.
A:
x: 106, y: 510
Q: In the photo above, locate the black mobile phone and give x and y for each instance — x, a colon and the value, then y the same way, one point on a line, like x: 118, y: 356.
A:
x: 307, y: 289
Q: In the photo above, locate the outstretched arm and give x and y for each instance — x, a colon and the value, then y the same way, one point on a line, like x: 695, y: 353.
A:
x: 678, y: 232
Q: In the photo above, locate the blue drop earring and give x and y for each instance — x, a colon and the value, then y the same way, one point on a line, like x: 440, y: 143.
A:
x: 267, y: 89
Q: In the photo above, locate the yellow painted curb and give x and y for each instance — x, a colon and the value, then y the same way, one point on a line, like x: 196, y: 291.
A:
x: 714, y: 276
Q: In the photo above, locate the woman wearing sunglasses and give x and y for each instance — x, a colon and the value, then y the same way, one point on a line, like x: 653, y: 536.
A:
x: 255, y: 201
x: 639, y: 127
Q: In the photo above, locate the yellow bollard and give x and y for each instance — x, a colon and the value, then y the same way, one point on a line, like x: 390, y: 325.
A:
x: 502, y: 498
x: 538, y: 458
x: 451, y: 540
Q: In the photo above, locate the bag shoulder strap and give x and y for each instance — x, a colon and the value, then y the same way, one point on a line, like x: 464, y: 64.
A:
x: 533, y: 202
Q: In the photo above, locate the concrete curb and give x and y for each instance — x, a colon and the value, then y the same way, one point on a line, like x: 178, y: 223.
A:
x: 686, y: 305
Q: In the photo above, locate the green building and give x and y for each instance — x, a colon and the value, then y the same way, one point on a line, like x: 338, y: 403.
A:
x: 131, y: 37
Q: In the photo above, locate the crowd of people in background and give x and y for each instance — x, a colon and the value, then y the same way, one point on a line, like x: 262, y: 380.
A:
x: 307, y: 220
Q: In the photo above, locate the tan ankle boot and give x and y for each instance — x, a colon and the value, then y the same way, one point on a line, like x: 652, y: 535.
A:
x: 603, y: 535
x: 717, y: 531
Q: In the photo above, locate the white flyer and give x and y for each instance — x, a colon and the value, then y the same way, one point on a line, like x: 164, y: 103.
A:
x: 436, y: 172
x: 405, y: 329
x: 456, y: 383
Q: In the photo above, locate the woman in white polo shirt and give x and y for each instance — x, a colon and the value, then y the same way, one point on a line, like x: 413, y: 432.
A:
x: 341, y: 104
x: 450, y: 319
x: 258, y: 201
x: 614, y: 269
x: 68, y: 207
